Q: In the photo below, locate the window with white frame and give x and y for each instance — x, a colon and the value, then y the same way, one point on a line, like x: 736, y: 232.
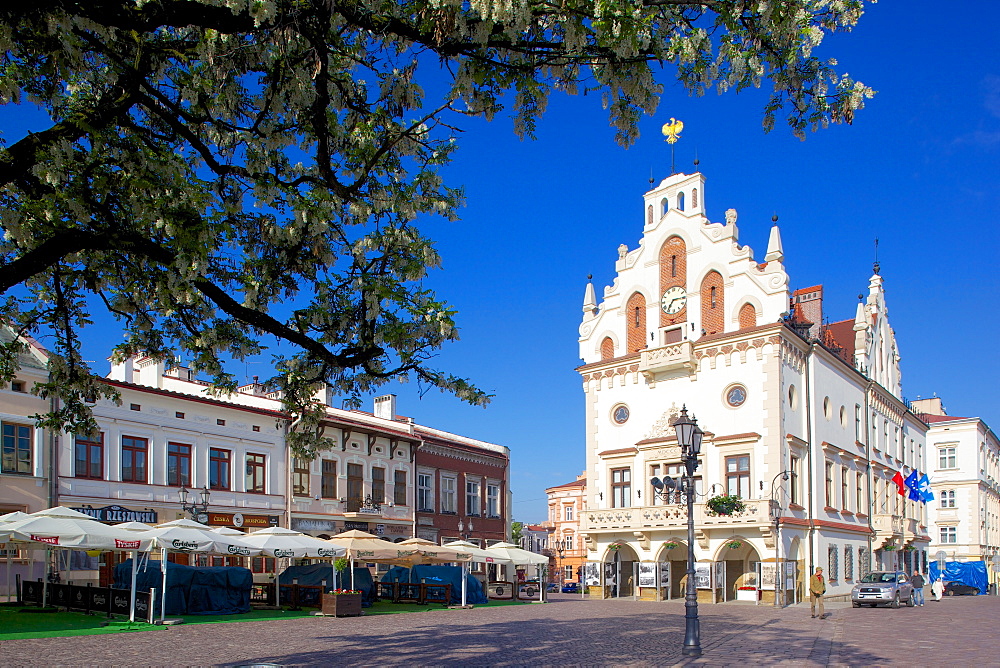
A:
x: 569, y: 541
x: 425, y: 492
x: 449, y: 484
x: 947, y: 498
x: 949, y: 534
x: 946, y: 457
x: 492, y: 500
x: 472, y: 498
x: 567, y: 572
x: 568, y: 513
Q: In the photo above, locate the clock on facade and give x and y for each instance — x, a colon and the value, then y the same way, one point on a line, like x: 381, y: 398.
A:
x: 620, y: 414
x: 736, y: 395
x: 673, y: 300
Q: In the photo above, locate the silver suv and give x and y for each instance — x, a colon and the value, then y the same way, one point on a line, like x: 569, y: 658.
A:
x: 883, y: 587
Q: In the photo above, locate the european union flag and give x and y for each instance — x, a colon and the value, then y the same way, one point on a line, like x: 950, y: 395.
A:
x: 924, y: 489
x: 911, y: 484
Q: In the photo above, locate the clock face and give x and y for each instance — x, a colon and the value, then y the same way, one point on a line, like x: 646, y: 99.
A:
x: 736, y: 395
x: 620, y: 414
x: 673, y: 300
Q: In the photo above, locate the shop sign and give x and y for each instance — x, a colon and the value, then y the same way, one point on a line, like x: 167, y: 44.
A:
x: 397, y: 529
x: 307, y: 524
x: 356, y: 526
x: 240, y: 520
x: 119, y: 514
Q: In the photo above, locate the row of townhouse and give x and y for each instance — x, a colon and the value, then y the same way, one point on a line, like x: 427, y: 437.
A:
x: 384, y: 473
x: 804, y: 419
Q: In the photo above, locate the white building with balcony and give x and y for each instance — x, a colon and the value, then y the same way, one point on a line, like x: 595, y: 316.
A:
x: 692, y: 319
x: 964, y: 458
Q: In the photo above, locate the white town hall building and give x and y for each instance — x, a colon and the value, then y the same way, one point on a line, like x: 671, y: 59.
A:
x: 692, y: 319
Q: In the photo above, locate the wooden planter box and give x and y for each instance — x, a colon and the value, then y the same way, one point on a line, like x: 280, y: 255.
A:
x: 344, y: 605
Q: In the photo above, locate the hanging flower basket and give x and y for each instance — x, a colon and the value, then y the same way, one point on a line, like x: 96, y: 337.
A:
x: 671, y: 545
x: 734, y: 545
x: 909, y: 548
x: 614, y: 547
x: 889, y: 548
x: 726, y: 504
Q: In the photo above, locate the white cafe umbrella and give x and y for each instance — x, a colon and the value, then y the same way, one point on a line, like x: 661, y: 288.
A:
x: 189, y: 536
x: 520, y: 557
x: 62, y: 527
x: 479, y: 556
x: 282, y: 543
x: 4, y: 519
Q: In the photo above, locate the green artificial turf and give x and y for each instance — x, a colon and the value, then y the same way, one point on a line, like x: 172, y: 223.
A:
x: 15, y: 624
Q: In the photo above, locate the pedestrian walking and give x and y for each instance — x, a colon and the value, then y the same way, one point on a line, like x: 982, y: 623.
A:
x: 938, y: 589
x: 917, y: 580
x: 817, y: 587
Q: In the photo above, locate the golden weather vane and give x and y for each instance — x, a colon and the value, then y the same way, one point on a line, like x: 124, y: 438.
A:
x: 672, y: 130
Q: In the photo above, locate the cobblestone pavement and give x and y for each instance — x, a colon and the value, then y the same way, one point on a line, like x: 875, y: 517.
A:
x: 565, y: 632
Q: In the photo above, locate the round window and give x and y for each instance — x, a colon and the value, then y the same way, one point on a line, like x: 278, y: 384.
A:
x: 620, y: 414
x: 736, y: 395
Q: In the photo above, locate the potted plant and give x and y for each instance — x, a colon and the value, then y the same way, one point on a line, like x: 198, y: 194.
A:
x: 734, y: 545
x: 342, y: 603
x: 746, y: 593
x: 725, y: 504
x: 889, y: 548
x: 671, y: 545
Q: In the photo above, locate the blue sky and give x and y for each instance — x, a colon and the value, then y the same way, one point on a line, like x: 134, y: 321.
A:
x: 919, y: 169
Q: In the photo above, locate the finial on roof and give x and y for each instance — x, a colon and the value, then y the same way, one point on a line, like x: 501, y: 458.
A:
x: 775, y: 253
x: 589, y: 299
x: 876, y: 265
x: 696, y: 160
x: 774, y: 218
x: 650, y: 176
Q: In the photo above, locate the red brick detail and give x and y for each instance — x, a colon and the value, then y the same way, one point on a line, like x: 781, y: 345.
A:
x: 673, y: 259
x: 726, y: 350
x: 742, y: 346
x: 635, y: 322
x: 713, y: 303
x: 748, y: 316
x: 607, y: 348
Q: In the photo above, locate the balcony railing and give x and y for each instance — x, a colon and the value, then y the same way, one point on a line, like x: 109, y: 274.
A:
x: 670, y: 357
x: 674, y: 515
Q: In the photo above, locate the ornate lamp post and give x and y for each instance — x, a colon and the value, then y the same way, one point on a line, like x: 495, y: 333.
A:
x: 689, y: 437
x: 560, y: 549
x: 776, y: 513
x: 197, y: 510
x: 461, y: 528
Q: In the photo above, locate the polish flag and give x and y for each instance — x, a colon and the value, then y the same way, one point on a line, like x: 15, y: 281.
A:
x: 900, y: 483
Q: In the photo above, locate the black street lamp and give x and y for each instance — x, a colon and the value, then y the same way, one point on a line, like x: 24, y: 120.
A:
x: 195, y: 508
x: 560, y: 548
x: 776, y: 513
x: 689, y: 437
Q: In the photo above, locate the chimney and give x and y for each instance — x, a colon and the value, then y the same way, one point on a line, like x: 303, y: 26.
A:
x: 385, y: 407
x: 810, y: 303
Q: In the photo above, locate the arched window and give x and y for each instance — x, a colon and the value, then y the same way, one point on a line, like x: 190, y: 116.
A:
x: 712, y: 303
x: 649, y: 214
x: 664, y: 206
x: 607, y: 348
x: 748, y: 316
x: 694, y: 197
x: 680, y: 201
x: 635, y: 309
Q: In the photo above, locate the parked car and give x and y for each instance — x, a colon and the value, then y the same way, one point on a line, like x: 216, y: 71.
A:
x: 883, y: 588
x: 571, y: 588
x: 960, y: 589
x: 553, y: 588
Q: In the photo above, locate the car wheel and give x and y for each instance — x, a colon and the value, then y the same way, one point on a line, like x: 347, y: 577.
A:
x: 975, y: 592
x: 910, y: 602
x: 856, y: 604
x: 895, y: 601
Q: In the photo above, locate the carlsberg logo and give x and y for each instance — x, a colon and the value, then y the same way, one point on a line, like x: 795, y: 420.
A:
x: 324, y: 552
x: 236, y: 549
x: 284, y: 553
x: 184, y: 544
